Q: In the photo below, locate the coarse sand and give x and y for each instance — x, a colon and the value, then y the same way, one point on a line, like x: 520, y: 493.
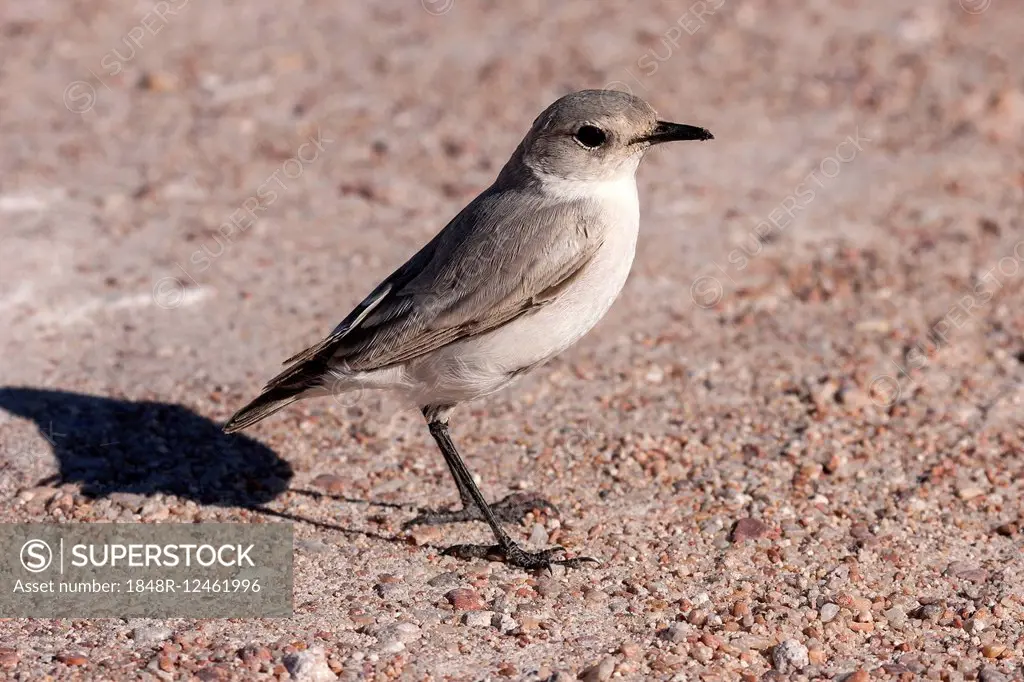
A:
x: 795, y: 442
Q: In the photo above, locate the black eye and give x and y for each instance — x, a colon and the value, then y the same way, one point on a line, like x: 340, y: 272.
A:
x: 590, y: 136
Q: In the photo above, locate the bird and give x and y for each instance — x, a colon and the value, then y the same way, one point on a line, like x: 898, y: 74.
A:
x: 517, y: 277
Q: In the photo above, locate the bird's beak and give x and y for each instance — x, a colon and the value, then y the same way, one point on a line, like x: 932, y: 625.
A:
x: 672, y: 132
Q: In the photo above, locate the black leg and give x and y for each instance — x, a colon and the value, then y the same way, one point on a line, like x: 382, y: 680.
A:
x: 511, y: 509
x: 505, y: 547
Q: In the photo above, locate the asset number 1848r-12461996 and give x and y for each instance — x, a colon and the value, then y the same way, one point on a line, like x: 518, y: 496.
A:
x: 192, y: 585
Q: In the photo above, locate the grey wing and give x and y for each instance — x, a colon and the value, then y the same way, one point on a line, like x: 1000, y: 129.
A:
x: 505, y: 255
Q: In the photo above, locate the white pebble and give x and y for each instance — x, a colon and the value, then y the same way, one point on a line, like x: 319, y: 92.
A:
x: 789, y: 655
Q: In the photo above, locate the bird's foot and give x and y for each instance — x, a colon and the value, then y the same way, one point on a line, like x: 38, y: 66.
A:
x: 511, y: 509
x: 514, y: 555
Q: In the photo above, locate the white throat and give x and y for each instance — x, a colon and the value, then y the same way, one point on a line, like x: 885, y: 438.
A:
x: 617, y: 192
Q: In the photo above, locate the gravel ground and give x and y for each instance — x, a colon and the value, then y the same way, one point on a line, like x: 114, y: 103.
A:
x: 795, y: 442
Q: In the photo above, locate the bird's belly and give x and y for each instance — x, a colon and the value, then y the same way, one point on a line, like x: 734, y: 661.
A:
x: 481, y: 365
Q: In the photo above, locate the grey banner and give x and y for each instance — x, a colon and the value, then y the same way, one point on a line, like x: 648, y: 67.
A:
x: 156, y: 570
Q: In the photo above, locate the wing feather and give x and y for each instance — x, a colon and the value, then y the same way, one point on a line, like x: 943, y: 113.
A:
x: 504, y: 255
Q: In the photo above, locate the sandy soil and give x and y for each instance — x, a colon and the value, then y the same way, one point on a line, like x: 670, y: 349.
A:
x: 796, y: 440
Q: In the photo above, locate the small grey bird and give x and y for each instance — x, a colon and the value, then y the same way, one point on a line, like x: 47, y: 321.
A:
x: 524, y: 271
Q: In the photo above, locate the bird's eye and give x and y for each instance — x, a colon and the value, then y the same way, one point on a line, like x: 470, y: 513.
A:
x: 590, y: 136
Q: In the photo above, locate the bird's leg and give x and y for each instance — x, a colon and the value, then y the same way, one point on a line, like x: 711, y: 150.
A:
x: 511, y: 509
x: 512, y: 553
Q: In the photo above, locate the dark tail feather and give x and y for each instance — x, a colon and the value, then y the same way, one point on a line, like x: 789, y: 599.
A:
x: 283, y: 390
x: 262, y: 407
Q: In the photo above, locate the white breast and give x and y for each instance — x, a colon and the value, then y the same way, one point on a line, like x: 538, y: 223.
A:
x: 483, y: 364
x: 591, y: 294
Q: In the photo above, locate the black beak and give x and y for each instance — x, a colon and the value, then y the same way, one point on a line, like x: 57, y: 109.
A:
x: 672, y: 132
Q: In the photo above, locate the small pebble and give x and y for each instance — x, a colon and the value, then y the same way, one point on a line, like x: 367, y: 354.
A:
x: 629, y: 649
x: 330, y: 483
x: 465, y: 599
x: 600, y: 672
x: 159, y: 81
x: 896, y: 616
x: 132, y: 501
x: 538, y: 536
x: 214, y: 673
x: 391, y: 646
x: 748, y: 529
x: 546, y: 587
x: 150, y: 635
x: 529, y: 624
x: 504, y: 623
x: 930, y: 612
x: 967, y: 571
x: 165, y: 663
x: 828, y: 612
x: 252, y: 653
x: 312, y: 546
x: 789, y: 656
x: 8, y: 658
x: 155, y: 510
x: 478, y: 619
x: 993, y: 650
x: 677, y: 632
x: 309, y: 665
x: 712, y: 525
x: 969, y: 492
x: 988, y: 674
x: 697, y: 617
x: 1009, y: 528
x: 445, y: 580
x: 403, y: 632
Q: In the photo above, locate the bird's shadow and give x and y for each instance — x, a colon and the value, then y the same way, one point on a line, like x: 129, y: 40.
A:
x: 108, y: 445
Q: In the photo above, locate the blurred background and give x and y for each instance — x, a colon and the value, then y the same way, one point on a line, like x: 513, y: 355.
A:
x: 823, y: 332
